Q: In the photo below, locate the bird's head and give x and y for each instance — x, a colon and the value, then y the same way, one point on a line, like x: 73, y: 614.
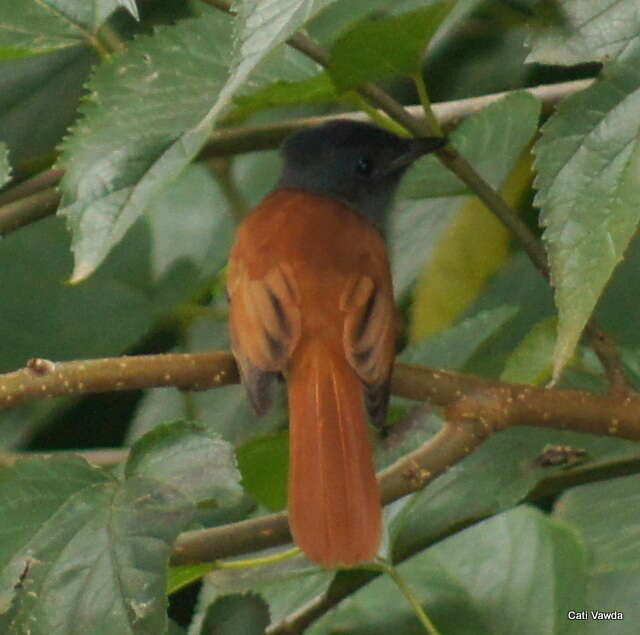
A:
x: 357, y: 163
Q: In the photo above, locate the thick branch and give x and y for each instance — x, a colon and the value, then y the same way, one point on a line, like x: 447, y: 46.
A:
x: 475, y: 408
x: 508, y: 404
x: 450, y: 445
x: 43, y: 378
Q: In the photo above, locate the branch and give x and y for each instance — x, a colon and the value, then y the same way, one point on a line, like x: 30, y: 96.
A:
x: 26, y: 208
x: 450, y: 158
x: 474, y: 407
x: 43, y: 378
x: 503, y: 403
x: 105, y: 458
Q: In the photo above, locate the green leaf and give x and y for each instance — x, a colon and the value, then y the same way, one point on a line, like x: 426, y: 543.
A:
x: 584, y: 31
x: 264, y: 464
x: 190, y: 223
x: 106, y: 556
x: 138, y: 130
x: 455, y: 346
x: 496, y: 476
x: 225, y: 410
x: 236, y: 615
x: 607, y: 518
x: 415, y: 230
x: 142, y: 279
x: 264, y: 24
x: 31, y: 493
x: 531, y: 361
x: 492, y: 140
x: 32, y: 85
x: 376, y: 49
x: 119, y: 154
x: 32, y: 26
x: 184, y: 575
x: 78, y: 538
x: 588, y: 162
x: 285, y: 77
x: 519, y: 572
x: 285, y: 584
x: 517, y: 284
x: 5, y: 167
x: 188, y: 458
x: 316, y: 89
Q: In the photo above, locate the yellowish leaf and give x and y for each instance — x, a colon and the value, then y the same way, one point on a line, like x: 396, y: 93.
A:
x: 471, y: 250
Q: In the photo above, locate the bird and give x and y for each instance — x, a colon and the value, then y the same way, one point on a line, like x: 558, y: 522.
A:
x: 311, y: 301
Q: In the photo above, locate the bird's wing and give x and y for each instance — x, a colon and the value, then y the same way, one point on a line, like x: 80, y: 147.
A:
x: 264, y: 324
x: 369, y: 338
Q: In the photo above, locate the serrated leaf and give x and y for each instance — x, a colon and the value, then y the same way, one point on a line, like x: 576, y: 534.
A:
x: 588, y: 162
x: 83, y: 552
x: 583, y: 31
x: 135, y: 112
x: 31, y: 493
x: 190, y: 459
x: 32, y: 85
x: 5, y: 167
x: 532, y: 361
x: 393, y: 46
x: 283, y: 78
x: 286, y: 584
x: 139, y: 136
x: 104, y: 554
x: 263, y: 24
x: 32, y: 26
x: 480, y: 581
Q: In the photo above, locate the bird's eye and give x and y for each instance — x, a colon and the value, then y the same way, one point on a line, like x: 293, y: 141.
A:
x: 364, y: 166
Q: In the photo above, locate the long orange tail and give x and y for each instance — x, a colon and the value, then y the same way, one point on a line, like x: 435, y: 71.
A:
x: 334, y: 502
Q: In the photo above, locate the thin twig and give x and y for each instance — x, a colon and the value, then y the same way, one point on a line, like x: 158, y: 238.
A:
x: 103, y: 458
x: 25, y: 211
x: 227, y: 142
x: 37, y: 183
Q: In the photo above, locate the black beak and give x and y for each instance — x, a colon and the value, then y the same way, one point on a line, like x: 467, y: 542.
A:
x: 417, y: 148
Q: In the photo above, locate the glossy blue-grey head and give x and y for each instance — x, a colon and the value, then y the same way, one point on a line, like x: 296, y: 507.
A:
x: 358, y: 163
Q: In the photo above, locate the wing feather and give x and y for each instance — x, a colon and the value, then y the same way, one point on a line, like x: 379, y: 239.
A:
x: 265, y: 326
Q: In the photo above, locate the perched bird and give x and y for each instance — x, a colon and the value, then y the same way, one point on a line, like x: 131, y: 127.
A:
x: 311, y: 299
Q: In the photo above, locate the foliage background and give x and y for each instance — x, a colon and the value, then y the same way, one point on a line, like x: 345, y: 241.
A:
x: 499, y: 544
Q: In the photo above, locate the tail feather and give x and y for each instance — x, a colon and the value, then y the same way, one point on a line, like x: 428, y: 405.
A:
x: 334, y: 502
